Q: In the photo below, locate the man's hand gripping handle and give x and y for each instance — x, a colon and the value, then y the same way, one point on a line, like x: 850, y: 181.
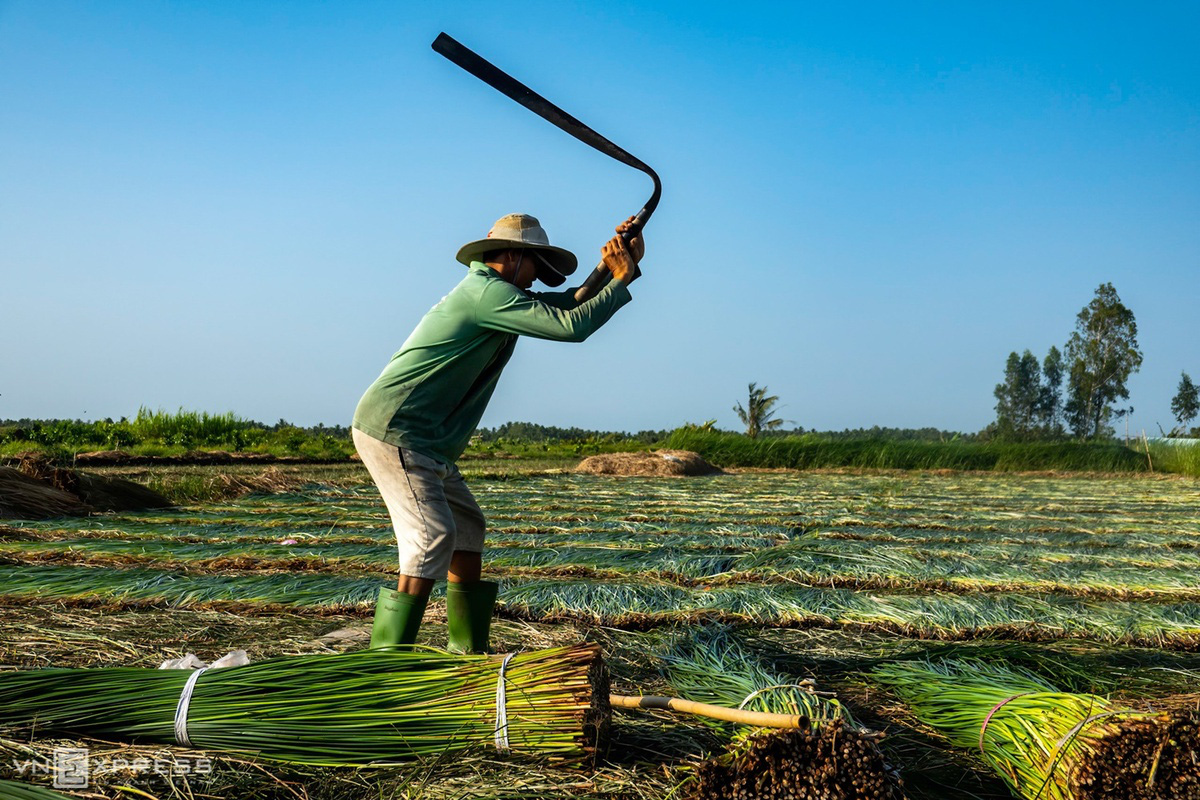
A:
x: 619, y: 259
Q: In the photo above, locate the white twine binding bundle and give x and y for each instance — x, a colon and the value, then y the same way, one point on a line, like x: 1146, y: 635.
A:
x: 502, y: 708
x: 181, y: 708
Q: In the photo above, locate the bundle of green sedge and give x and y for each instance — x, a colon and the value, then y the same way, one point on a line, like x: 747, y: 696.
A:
x: 829, y: 758
x: 1052, y: 745
x: 14, y: 790
x: 370, y: 707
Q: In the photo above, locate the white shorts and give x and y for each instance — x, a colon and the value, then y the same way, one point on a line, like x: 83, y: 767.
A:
x: 433, y: 512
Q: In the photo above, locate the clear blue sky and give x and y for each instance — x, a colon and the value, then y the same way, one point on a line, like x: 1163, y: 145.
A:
x: 247, y: 206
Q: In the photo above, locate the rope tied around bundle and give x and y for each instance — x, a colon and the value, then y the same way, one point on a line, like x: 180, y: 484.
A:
x: 990, y: 714
x: 502, y: 707
x: 181, y: 708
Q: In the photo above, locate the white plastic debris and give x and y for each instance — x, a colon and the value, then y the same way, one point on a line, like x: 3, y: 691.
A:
x: 235, y: 658
x: 187, y: 662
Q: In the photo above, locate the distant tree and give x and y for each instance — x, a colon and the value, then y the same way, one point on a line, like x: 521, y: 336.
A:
x: 1004, y: 394
x: 1019, y: 397
x: 1185, y: 405
x: 759, y: 414
x: 1050, y: 403
x: 1101, y: 355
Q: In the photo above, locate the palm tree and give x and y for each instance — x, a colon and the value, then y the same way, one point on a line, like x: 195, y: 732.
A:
x: 758, y: 415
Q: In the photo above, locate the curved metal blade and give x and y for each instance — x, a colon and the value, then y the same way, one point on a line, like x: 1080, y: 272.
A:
x: 507, y: 85
x: 511, y: 87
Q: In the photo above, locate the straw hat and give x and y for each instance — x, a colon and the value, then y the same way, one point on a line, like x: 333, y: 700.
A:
x: 522, y: 231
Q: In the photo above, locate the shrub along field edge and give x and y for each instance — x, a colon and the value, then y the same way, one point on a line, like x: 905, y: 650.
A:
x: 180, y: 435
x: 813, y: 452
x: 1170, y: 456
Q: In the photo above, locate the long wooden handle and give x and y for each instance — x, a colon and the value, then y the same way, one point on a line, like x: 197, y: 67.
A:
x: 599, y: 279
x: 758, y: 719
x: 600, y: 275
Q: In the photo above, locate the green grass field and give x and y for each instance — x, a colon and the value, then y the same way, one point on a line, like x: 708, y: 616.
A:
x: 814, y: 451
x: 1090, y: 581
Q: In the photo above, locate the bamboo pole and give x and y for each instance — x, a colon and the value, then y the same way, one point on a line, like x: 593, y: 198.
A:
x: 759, y: 719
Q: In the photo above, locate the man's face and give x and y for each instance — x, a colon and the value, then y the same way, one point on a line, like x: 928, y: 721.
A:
x: 526, y: 270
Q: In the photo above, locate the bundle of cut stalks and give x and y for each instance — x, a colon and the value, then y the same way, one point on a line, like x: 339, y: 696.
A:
x: 370, y: 707
x: 830, y: 758
x: 1052, y: 745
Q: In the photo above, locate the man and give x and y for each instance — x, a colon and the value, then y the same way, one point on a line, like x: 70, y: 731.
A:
x: 415, y: 420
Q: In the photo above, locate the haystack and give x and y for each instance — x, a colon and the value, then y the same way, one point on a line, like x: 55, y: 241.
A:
x: 22, y: 497
x: 92, y: 492
x: 117, y: 494
x: 665, y: 463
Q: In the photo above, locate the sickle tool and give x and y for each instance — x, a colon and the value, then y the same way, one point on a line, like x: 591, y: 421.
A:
x: 539, y: 105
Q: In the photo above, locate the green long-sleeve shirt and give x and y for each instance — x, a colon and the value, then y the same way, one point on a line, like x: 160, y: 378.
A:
x: 432, y: 394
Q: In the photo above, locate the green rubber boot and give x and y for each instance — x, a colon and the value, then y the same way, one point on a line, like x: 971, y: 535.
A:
x: 469, y: 608
x: 397, y: 618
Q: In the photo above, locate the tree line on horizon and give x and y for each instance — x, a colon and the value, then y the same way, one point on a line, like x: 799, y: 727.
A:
x: 1075, y: 392
x: 1081, y: 389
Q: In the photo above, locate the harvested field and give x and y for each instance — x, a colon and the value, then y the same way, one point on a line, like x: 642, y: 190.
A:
x: 821, y: 576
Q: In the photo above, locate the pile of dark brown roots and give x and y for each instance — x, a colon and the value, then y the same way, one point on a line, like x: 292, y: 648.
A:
x: 1155, y: 758
x: 830, y: 762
